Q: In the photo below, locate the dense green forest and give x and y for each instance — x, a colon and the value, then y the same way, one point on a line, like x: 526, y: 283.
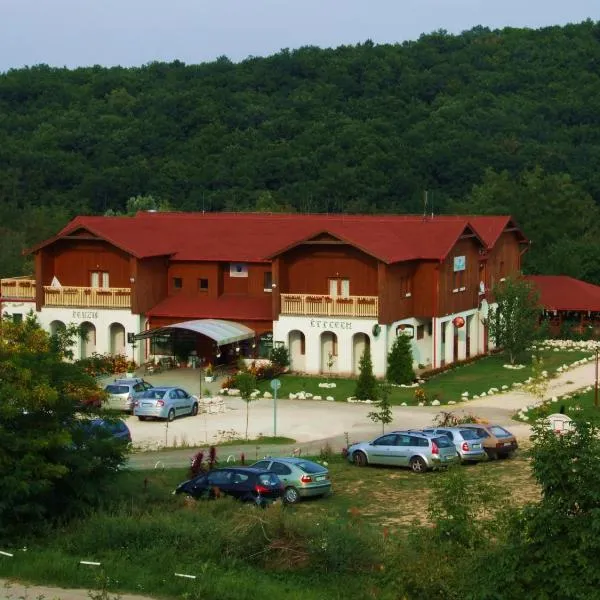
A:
x: 486, y: 121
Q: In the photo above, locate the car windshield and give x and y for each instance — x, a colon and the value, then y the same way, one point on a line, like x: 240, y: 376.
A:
x: 500, y: 431
x: 154, y: 393
x: 310, y: 467
x: 116, y: 389
x: 443, y: 441
x: 469, y: 434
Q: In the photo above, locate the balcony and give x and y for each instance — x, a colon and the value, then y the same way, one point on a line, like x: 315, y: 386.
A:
x: 87, y: 297
x: 333, y: 306
x: 17, y: 288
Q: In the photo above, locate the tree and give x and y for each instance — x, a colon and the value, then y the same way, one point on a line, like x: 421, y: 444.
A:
x: 383, y: 414
x: 513, y: 322
x: 366, y: 385
x: 246, y: 383
x: 400, y: 362
x: 538, y: 382
x: 280, y: 356
x: 53, y: 462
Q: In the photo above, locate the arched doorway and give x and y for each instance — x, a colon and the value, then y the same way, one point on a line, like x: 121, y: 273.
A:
x: 117, y: 339
x: 57, y: 326
x: 297, y: 346
x: 329, y: 352
x: 360, y: 342
x: 87, y: 339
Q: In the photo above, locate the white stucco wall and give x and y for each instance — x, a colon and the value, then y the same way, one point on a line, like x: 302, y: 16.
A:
x: 422, y: 350
x: 345, y: 329
x: 101, y: 319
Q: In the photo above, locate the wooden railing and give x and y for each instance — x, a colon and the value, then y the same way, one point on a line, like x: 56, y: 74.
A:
x: 87, y: 296
x: 17, y: 288
x: 335, y: 306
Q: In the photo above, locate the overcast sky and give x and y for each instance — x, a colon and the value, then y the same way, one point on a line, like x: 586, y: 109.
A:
x: 134, y: 32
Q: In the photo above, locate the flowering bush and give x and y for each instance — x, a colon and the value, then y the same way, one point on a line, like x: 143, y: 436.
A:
x: 106, y: 364
x: 420, y: 395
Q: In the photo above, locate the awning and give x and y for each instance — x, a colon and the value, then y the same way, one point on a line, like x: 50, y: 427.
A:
x: 222, y: 332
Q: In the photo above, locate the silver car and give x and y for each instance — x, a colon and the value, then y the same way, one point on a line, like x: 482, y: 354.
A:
x: 165, y: 403
x: 466, y: 441
x: 122, y: 393
x: 302, y: 478
x: 415, y: 449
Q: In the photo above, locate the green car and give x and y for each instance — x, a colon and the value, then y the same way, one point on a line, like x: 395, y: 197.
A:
x: 301, y: 478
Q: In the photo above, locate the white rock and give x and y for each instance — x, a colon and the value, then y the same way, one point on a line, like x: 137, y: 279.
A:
x: 465, y: 394
x: 504, y: 387
x: 554, y: 399
x: 308, y: 395
x: 435, y: 403
x: 317, y: 398
x: 330, y: 399
x: 421, y: 404
x: 451, y: 402
x: 404, y: 404
x: 291, y: 396
x: 475, y: 396
x: 483, y: 394
x: 234, y: 392
x: 267, y: 395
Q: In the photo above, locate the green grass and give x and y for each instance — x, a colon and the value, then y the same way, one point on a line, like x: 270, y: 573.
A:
x: 582, y: 400
x: 475, y: 378
x: 142, y: 535
x: 264, y: 440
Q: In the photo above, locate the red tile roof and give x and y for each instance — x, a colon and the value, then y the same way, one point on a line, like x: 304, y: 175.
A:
x: 228, y: 306
x: 254, y: 237
x: 559, y: 292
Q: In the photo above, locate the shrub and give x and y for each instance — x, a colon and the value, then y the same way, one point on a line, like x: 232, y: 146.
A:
x: 366, y: 385
x: 280, y: 356
x: 400, y: 362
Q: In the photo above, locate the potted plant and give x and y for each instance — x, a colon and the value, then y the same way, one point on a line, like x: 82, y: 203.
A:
x: 209, y: 373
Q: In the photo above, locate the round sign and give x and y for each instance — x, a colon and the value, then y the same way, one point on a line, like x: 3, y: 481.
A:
x: 458, y: 322
x: 275, y: 384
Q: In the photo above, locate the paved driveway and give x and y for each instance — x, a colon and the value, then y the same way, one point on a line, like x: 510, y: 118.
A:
x: 317, y: 421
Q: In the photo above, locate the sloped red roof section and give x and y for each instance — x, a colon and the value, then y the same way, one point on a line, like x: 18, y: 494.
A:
x: 255, y: 237
x: 227, y: 306
x: 560, y: 292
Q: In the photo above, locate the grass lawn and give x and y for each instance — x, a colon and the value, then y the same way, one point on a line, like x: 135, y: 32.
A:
x: 475, y: 378
x: 583, y: 401
x: 143, y: 535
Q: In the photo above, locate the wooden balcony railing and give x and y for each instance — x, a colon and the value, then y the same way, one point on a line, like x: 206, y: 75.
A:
x: 87, y: 297
x: 17, y: 288
x: 335, y: 306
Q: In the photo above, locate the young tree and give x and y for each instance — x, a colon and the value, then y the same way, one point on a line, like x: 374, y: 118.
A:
x: 246, y: 383
x: 400, y: 362
x: 54, y: 463
x: 383, y: 414
x: 366, y: 385
x: 513, y: 323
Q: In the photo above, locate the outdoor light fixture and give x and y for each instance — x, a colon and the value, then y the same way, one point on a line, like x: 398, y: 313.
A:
x: 237, y: 348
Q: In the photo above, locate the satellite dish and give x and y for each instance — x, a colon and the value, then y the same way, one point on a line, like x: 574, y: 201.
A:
x: 484, y: 309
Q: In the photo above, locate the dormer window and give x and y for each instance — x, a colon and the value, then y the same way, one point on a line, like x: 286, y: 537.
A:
x: 177, y: 283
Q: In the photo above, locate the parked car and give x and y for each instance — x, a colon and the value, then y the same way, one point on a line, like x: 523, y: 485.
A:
x: 84, y: 431
x: 122, y: 393
x: 415, y: 449
x: 164, y: 403
x: 247, y: 484
x: 116, y: 427
x: 466, y: 441
x: 497, y: 441
x: 301, y: 478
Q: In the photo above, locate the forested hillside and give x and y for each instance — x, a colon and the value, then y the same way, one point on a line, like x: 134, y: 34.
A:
x: 487, y: 121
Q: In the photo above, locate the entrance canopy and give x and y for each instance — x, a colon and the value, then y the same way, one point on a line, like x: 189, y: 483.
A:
x: 222, y: 332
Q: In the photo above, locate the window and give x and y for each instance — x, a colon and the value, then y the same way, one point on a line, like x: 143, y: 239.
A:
x: 263, y: 464
x: 404, y: 440
x: 446, y: 432
x: 420, y: 332
x: 99, y: 279
x: 339, y: 287
x: 268, y: 281
x: 429, y: 329
x: 238, y: 270
x: 405, y: 287
x: 386, y: 440
x: 240, y: 477
x: 182, y: 395
x: 203, y: 285
x: 219, y: 477
x: 17, y: 318
x: 280, y: 469
x: 458, y: 281
x: 177, y: 283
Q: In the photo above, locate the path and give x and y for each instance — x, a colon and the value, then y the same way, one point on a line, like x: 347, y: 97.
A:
x: 14, y: 590
x: 314, y: 424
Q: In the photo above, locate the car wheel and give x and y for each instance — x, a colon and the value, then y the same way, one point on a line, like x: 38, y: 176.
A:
x: 291, y: 495
x: 142, y: 418
x: 418, y: 465
x: 360, y: 459
x: 194, y: 410
x: 171, y: 415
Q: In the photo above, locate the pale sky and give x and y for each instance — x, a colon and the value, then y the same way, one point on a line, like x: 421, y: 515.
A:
x: 134, y: 32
